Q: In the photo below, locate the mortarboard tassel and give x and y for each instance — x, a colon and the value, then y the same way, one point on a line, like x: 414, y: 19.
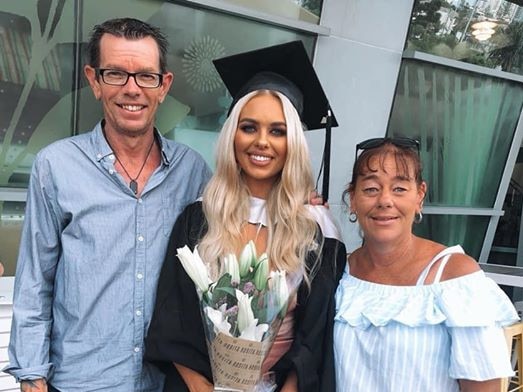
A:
x: 326, y: 157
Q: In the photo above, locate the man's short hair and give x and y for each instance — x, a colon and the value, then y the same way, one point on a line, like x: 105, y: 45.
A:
x: 127, y: 28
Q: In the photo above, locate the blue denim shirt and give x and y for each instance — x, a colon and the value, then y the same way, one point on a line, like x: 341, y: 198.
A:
x: 89, y: 260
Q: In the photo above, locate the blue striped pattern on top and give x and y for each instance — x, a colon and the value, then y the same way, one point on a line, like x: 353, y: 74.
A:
x: 420, y: 338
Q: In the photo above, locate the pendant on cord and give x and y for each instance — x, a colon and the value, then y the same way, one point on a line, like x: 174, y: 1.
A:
x: 134, y: 186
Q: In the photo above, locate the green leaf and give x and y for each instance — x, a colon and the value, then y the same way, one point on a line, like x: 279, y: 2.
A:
x: 223, y: 289
x: 226, y: 290
x: 224, y: 281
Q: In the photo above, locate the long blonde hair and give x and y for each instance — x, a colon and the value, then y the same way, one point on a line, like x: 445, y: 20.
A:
x: 291, y: 230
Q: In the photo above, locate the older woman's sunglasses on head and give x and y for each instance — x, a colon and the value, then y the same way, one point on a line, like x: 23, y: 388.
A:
x: 401, y: 142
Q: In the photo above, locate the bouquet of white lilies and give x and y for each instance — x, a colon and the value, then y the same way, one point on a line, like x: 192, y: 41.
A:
x: 241, y: 311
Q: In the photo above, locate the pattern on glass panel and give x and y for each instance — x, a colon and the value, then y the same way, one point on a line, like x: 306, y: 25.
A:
x: 197, y: 63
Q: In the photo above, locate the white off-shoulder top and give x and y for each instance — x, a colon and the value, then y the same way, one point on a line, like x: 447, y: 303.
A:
x: 423, y: 337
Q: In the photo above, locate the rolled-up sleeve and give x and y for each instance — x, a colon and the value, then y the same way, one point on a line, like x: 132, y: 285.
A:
x: 33, y: 292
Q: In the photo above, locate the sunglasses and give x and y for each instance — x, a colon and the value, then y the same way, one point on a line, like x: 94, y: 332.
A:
x: 401, y: 142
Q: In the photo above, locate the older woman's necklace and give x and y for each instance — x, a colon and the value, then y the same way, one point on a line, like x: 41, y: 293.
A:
x: 133, y: 184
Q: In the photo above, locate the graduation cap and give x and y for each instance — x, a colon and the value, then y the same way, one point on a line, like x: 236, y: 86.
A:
x: 285, y: 68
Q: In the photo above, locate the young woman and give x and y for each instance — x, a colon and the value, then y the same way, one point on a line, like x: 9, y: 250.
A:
x: 259, y: 192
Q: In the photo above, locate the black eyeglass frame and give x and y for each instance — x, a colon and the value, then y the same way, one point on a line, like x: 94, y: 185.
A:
x: 401, y: 142
x: 101, y: 71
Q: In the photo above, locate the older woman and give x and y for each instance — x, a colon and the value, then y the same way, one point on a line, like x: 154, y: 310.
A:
x: 259, y: 192
x: 412, y: 314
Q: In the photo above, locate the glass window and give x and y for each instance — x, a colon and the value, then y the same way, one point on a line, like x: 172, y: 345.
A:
x: 487, y: 33
x: 507, y: 238
x: 465, y: 123
x: 198, y: 101
x: 45, y: 97
x: 507, y: 247
x: 304, y: 10
x: 464, y: 230
x: 10, y: 230
x: 36, y: 81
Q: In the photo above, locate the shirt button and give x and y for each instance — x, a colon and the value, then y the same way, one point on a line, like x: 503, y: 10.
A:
x: 139, y: 276
x: 138, y: 312
x: 137, y: 349
x: 98, y: 156
x: 111, y: 171
x: 111, y: 157
x: 140, y: 238
x: 140, y: 200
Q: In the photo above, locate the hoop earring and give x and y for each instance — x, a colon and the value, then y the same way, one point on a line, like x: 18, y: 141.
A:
x: 418, y: 217
x: 353, y: 218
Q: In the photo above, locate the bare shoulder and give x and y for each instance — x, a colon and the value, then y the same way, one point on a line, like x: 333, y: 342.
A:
x: 458, y: 265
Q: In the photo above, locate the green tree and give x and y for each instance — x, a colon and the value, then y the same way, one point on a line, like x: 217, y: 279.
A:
x: 508, y: 53
x: 425, y: 16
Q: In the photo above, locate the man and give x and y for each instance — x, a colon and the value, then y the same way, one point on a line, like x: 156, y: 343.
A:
x: 100, y: 209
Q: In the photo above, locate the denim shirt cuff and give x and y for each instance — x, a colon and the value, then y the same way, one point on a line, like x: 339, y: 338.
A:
x: 30, y: 373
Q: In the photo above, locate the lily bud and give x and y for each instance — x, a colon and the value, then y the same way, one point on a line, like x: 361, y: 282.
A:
x: 263, y: 257
x: 195, y: 268
x: 280, y: 290
x: 246, y: 258
x: 231, y: 267
x: 262, y: 273
x: 245, y: 313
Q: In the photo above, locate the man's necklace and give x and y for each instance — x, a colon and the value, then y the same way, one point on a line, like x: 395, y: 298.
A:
x: 133, y: 184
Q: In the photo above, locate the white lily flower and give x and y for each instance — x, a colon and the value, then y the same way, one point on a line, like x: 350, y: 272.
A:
x: 218, y: 318
x: 230, y: 264
x: 245, y: 313
x: 247, y: 258
x: 195, y: 268
x: 254, y: 332
x: 278, y: 285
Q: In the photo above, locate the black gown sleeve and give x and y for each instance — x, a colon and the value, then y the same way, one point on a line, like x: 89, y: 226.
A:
x: 311, y: 354
x: 176, y: 333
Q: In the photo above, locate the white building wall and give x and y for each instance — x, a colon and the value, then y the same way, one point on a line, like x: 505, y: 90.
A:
x: 358, y: 65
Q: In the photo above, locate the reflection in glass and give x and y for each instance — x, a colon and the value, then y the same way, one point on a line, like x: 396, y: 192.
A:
x: 486, y: 33
x: 465, y: 123
x: 304, y: 10
x: 10, y: 230
x: 465, y: 230
x: 506, y: 240
x: 507, y: 245
x: 36, y: 71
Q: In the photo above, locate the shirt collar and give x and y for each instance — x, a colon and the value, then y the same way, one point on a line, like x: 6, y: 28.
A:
x: 257, y: 211
x: 102, y: 148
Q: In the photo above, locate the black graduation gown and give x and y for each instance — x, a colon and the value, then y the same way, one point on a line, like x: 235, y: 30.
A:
x: 176, y: 331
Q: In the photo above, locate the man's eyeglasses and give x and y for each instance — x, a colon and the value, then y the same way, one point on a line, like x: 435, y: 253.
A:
x: 401, y: 142
x: 116, y: 77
